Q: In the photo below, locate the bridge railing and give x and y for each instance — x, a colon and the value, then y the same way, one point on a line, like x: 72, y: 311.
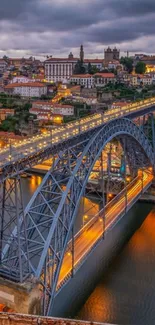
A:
x: 81, y: 126
x: 102, y: 214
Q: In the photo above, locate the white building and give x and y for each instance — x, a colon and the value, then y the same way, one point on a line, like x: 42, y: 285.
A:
x: 59, y: 69
x: 98, y: 63
x: 20, y: 79
x: 102, y: 79
x: 114, y: 65
x: 65, y: 110
x: 46, y: 106
x: 85, y: 80
x: 30, y: 89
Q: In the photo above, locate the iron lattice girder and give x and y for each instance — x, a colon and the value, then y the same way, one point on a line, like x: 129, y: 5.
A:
x: 13, y: 169
x: 50, y: 214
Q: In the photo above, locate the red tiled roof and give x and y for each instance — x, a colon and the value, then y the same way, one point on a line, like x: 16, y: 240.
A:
x: 121, y: 104
x: 105, y: 75
x: 25, y: 84
x: 62, y: 59
x: 82, y: 76
x: 7, y: 110
x: 62, y: 106
x: 93, y: 60
x: 42, y: 102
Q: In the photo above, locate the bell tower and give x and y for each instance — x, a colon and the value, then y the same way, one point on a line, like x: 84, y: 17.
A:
x: 81, y: 54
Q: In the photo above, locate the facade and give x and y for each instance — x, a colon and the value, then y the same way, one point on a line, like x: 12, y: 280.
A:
x: 102, y: 79
x: 98, y: 63
x: 119, y: 105
x: 20, y: 79
x: 110, y: 55
x: 3, y: 65
x: 30, y: 89
x: 50, y: 107
x: 144, y: 80
x: 46, y: 116
x: 59, y: 69
x: 5, y: 112
x: 85, y: 80
x: 115, y: 65
x: 65, y: 110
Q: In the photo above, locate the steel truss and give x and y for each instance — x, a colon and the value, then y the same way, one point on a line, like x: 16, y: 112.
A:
x: 48, y: 221
x: 12, y: 169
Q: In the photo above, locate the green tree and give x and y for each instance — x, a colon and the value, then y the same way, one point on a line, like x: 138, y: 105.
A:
x: 140, y: 67
x: 79, y: 68
x: 89, y: 68
x: 128, y: 63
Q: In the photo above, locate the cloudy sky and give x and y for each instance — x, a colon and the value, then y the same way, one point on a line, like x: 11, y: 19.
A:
x: 56, y: 27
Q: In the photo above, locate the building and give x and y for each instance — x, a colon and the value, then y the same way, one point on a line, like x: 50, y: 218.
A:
x: 102, y: 79
x: 85, y: 80
x: 119, y: 105
x: 133, y: 79
x: 21, y: 79
x: 98, y: 63
x: 16, y: 62
x: 42, y: 104
x: 110, y: 55
x: 30, y: 89
x: 89, y: 93
x: 46, y: 116
x: 54, y: 108
x: 59, y: 69
x: 5, y: 112
x: 3, y: 65
x: 65, y: 110
x: 115, y: 65
x: 144, y: 80
x: 81, y: 54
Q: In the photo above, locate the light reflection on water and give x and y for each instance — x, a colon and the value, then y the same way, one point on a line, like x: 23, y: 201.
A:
x: 126, y: 292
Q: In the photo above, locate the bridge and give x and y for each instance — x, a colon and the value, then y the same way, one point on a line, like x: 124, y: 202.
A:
x: 40, y: 243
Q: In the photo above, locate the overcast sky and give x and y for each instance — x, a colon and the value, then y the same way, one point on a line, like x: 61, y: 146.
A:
x: 56, y: 27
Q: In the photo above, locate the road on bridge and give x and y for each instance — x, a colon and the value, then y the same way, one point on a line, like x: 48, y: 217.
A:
x: 89, y: 237
x: 29, y: 147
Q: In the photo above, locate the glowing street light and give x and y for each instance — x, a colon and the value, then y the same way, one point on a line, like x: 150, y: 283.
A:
x: 85, y: 218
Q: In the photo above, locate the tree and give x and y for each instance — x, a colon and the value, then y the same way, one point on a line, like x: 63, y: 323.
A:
x: 79, y: 68
x: 140, y: 67
x: 89, y: 68
x: 128, y: 63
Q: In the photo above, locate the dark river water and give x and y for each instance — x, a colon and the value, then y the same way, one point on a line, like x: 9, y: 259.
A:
x: 125, y: 292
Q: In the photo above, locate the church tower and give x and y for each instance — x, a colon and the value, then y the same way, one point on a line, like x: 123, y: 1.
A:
x: 81, y: 54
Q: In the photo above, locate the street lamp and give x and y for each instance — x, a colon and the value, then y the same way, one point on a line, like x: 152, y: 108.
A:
x: 84, y: 219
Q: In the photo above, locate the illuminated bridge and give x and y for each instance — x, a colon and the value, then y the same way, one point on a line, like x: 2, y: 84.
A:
x: 40, y: 244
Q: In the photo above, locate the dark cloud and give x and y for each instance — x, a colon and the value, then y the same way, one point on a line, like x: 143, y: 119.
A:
x: 49, y: 25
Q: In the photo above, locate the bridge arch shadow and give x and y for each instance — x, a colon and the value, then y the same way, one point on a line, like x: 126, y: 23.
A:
x: 51, y: 213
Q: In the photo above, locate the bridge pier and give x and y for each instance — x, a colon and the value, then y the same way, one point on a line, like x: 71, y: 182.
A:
x: 20, y: 298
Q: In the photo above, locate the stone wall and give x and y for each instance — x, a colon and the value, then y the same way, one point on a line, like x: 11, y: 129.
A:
x: 20, y: 319
x: 22, y: 298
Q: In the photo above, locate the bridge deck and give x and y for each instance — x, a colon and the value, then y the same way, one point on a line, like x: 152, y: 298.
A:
x: 29, y: 152
x: 92, y: 233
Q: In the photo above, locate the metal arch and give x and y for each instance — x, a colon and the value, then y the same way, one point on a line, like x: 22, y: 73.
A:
x: 51, y: 212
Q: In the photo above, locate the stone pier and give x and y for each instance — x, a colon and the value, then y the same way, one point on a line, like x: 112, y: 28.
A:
x: 20, y: 298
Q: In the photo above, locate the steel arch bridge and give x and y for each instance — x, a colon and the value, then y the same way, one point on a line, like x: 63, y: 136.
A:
x: 38, y: 243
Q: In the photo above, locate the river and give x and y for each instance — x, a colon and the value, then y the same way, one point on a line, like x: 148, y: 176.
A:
x: 125, y: 292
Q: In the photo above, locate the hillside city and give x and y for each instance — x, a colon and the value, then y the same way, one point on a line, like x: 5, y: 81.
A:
x: 36, y: 96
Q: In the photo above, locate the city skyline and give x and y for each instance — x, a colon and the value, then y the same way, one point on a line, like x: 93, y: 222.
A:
x: 40, y: 28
